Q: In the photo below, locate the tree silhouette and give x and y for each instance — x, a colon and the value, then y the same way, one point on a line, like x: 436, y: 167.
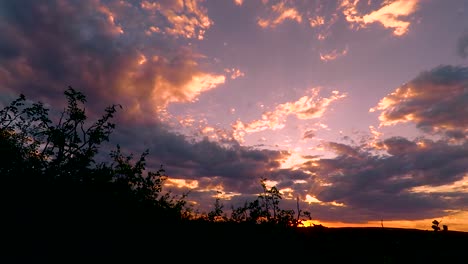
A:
x: 51, y: 171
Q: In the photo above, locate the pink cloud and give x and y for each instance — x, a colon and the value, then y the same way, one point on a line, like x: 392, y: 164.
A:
x: 307, y: 107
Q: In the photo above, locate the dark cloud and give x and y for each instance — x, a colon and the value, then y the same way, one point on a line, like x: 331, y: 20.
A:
x: 308, y: 134
x: 399, y: 146
x: 203, y: 158
x: 373, y: 185
x: 462, y: 45
x: 436, y: 101
x: 342, y: 149
x: 228, y: 168
x: 376, y: 185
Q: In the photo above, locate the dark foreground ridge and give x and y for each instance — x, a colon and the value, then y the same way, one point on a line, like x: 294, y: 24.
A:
x: 219, y: 242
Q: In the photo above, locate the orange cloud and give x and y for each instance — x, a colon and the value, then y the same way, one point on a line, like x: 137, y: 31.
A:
x: 317, y: 21
x: 115, y: 29
x: 390, y: 15
x: 333, y: 55
x: 187, y: 18
x: 238, y: 2
x: 281, y: 13
x: 159, y: 82
x: 234, y: 73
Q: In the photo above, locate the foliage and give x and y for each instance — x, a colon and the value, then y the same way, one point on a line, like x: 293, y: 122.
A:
x: 266, y: 210
x: 51, y: 168
x: 217, y: 214
x: 436, y: 227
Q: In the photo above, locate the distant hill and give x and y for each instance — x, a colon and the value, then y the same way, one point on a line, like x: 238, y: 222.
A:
x: 233, y: 242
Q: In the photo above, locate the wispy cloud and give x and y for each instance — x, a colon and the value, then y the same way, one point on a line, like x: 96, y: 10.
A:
x: 281, y: 12
x: 238, y: 2
x: 307, y: 107
x: 308, y: 134
x: 187, y: 18
x: 333, y: 55
x: 234, y: 73
x: 392, y: 14
x: 316, y: 21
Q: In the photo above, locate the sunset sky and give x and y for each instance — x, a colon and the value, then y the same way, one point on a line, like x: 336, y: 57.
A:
x: 357, y: 107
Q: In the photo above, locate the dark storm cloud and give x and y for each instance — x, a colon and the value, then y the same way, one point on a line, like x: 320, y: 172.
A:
x: 376, y: 185
x: 436, y: 101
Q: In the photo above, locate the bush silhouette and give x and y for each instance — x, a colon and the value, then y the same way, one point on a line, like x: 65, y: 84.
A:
x: 51, y: 171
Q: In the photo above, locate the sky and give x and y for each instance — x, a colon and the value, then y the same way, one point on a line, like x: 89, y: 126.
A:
x: 359, y: 108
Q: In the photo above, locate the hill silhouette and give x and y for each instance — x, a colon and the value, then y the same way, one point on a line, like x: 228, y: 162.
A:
x: 60, y: 205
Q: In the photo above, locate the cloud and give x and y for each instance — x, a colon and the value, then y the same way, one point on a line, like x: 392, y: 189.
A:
x: 333, y: 55
x: 397, y: 146
x: 462, y: 46
x: 390, y: 15
x: 436, y: 101
x: 186, y: 18
x: 308, y: 134
x: 281, y: 13
x: 342, y: 149
x: 307, y: 107
x: 103, y: 49
x: 238, y: 2
x: 383, y: 186
x: 206, y: 164
x: 316, y: 21
x: 234, y: 73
